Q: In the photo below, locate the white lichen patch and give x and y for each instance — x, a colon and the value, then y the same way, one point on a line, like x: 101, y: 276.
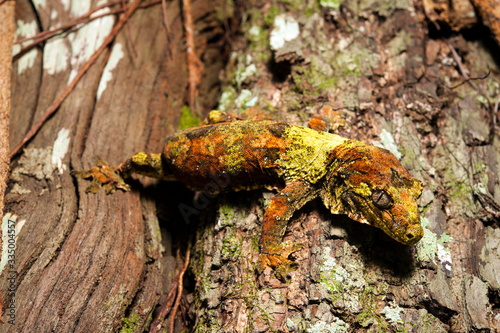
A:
x: 444, y: 257
x: 114, y: 58
x: 27, y: 60
x: 328, y: 265
x: 430, y: 246
x: 427, y: 247
x: 387, y: 142
x: 343, y: 43
x: 39, y: 3
x: 66, y: 4
x: 60, y: 149
x: 17, y: 189
x: 10, y: 231
x: 245, y: 71
x: 343, y: 284
x: 55, y: 56
x: 286, y: 28
x: 333, y: 275
x: 335, y: 326
x: 333, y: 4
x: 392, y: 313
x: 245, y: 99
x: 35, y: 162
x: 252, y: 102
x: 226, y: 99
x: 248, y: 72
x: 255, y: 31
x: 86, y: 40
x: 79, y: 7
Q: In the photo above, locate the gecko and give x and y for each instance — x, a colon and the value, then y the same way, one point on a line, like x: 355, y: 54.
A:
x: 351, y: 177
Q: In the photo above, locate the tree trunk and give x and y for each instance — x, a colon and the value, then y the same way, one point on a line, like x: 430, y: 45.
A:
x: 85, y: 262
x: 88, y: 262
x: 394, y: 86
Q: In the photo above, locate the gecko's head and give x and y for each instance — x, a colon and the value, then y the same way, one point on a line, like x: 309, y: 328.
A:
x: 375, y: 189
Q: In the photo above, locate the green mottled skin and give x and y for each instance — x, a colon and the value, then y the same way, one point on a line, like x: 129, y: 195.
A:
x: 363, y: 181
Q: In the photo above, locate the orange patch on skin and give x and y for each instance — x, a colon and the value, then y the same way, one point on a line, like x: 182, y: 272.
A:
x: 241, y: 149
x: 400, y: 214
x: 368, y: 168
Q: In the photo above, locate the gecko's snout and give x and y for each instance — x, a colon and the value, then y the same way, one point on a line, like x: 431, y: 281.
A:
x: 413, y: 234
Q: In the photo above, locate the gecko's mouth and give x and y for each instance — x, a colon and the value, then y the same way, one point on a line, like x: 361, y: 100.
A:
x: 363, y: 210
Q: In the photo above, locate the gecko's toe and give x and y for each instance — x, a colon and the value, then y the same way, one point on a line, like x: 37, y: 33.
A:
x: 93, y: 187
x: 264, y: 261
x: 283, y: 271
x: 102, y: 175
x: 278, y: 260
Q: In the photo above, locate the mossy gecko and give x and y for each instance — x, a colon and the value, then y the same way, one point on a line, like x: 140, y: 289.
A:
x: 351, y: 177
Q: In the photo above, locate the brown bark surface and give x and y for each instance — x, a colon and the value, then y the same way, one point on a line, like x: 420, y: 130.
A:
x: 91, y: 263
x: 96, y: 263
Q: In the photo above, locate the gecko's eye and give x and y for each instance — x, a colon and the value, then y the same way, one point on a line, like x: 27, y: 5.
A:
x: 381, y: 199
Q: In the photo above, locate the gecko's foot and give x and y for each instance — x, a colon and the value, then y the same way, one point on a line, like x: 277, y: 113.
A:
x: 278, y: 259
x: 327, y: 120
x: 217, y: 117
x: 103, y: 175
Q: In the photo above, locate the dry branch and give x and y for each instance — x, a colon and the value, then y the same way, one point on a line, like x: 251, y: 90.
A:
x: 194, y: 64
x: 175, y: 293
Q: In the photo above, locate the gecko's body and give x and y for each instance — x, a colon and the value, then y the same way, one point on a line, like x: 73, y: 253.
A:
x: 363, y: 181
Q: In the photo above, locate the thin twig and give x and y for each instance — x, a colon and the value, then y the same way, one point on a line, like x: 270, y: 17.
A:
x: 194, y: 64
x: 55, y: 105
x: 479, y: 90
x: 167, y: 28
x: 461, y: 66
x: 85, y: 18
x: 473, y: 78
x: 129, y: 35
x: 165, y: 309
x: 175, y: 289
x: 43, y: 36
x: 180, y: 288
x: 495, y: 111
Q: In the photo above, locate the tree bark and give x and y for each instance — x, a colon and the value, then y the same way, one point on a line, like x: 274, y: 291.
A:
x: 89, y: 262
x: 85, y: 262
x: 395, y: 87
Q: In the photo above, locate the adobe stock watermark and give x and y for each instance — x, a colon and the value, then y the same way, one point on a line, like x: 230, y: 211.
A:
x: 202, y: 199
x: 8, y: 263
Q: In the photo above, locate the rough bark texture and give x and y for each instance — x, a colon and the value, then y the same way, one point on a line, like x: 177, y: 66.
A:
x: 394, y: 86
x: 95, y: 262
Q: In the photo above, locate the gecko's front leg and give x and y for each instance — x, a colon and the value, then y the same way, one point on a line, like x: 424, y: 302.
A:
x: 111, y: 178
x: 274, y: 252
